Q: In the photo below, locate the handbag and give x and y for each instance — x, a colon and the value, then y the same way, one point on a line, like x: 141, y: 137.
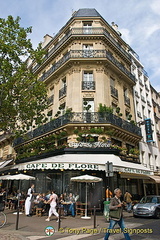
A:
x: 115, y: 213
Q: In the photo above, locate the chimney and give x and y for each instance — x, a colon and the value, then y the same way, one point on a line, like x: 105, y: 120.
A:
x: 114, y: 26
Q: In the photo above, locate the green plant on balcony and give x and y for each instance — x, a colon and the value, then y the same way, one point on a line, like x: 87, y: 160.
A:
x: 109, y: 132
x: 79, y: 139
x: 123, y: 151
x: 129, y: 117
x: 91, y: 140
x: 134, y: 152
x: 68, y: 110
x: 118, y: 112
x: 86, y: 106
x: 104, y: 109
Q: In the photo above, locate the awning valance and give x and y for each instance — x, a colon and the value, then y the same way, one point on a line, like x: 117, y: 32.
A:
x: 85, y: 162
x: 155, y: 178
x: 5, y: 163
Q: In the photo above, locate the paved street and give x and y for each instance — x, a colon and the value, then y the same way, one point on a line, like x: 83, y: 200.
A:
x: 33, y: 228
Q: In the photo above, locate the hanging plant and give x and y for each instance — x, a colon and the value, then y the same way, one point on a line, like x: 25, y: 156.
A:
x: 117, y: 109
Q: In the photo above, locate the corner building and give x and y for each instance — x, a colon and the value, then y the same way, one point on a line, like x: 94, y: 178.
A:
x: 87, y: 72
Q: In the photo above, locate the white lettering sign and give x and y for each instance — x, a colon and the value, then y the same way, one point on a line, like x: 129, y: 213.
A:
x: 36, y: 166
x: 90, y: 145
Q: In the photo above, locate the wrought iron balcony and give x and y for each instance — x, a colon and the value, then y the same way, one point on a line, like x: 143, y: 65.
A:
x: 87, y: 54
x: 88, y: 85
x: 114, y: 92
x: 82, y: 31
x: 81, y: 117
x: 62, y: 92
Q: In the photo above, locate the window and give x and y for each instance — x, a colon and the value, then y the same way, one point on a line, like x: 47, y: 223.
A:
x: 126, y: 98
x: 87, y: 50
x: 51, y: 96
x: 114, y: 91
x: 88, y: 83
x: 112, y: 82
x: 63, y: 90
x: 49, y: 114
x: 143, y: 156
x: 88, y: 105
x: 87, y: 27
x: 88, y: 76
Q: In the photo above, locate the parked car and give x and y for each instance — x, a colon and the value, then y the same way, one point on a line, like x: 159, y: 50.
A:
x: 149, y: 206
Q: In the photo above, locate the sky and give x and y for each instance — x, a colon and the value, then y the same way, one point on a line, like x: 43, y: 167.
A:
x: 137, y: 20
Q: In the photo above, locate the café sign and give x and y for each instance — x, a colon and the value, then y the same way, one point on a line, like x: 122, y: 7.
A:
x: 37, y: 166
x: 131, y: 170
x: 90, y: 145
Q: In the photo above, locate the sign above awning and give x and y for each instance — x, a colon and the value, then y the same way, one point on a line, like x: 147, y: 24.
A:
x: 85, y: 162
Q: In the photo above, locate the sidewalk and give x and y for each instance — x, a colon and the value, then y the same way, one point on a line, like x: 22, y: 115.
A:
x: 35, y: 226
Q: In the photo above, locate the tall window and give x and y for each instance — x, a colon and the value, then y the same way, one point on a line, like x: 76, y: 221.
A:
x: 51, y: 96
x: 126, y: 98
x: 112, y: 82
x: 88, y: 83
x: 88, y: 105
x: 87, y: 27
x: 63, y: 90
x: 88, y: 76
x: 87, y: 50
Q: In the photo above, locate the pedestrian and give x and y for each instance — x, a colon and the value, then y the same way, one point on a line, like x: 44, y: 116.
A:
x: 28, y: 202
x: 71, y: 200
x: 53, y: 203
x: 108, y: 194
x: 128, y: 200
x: 116, y: 216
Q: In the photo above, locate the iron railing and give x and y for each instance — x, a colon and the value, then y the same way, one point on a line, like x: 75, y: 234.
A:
x: 88, y: 85
x: 82, y: 31
x: 87, y: 54
x: 81, y: 117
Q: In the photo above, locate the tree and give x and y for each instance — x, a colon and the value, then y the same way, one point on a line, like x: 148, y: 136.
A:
x: 23, y: 98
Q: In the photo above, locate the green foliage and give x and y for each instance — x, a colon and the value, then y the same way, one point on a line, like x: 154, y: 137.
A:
x: 22, y: 97
x: 104, y: 109
x: 86, y: 106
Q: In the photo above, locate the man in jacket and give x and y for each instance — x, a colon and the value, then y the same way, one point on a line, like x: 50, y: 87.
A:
x: 116, y: 204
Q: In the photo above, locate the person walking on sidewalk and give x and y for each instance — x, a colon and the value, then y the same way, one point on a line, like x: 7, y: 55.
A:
x: 28, y: 202
x: 116, y: 216
x: 53, y: 203
x: 128, y: 200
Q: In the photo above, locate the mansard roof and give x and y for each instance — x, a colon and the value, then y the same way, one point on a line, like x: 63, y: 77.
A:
x: 86, y: 12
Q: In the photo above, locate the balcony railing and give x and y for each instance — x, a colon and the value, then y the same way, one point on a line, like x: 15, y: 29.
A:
x: 62, y: 92
x: 82, y: 31
x: 81, y: 117
x: 88, y: 85
x: 87, y: 54
x: 114, y: 92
